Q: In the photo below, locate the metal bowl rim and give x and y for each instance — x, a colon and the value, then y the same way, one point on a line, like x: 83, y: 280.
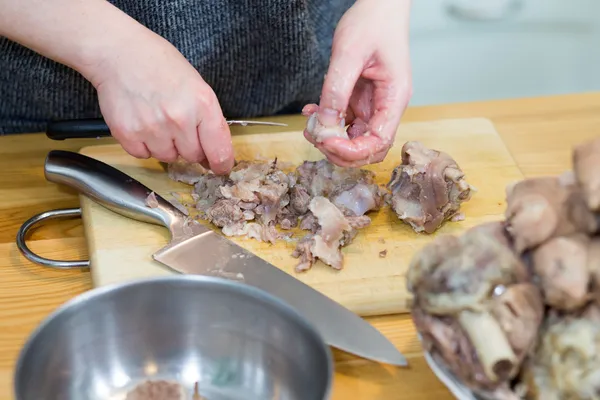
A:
x: 251, y: 291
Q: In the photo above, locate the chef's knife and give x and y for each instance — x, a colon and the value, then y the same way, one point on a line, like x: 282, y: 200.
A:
x: 96, y: 128
x: 196, y: 249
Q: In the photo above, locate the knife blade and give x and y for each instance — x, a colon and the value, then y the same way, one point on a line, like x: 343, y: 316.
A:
x: 96, y: 128
x: 197, y: 249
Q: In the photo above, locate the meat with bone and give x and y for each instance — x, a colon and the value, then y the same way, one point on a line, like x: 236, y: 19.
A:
x: 566, y: 363
x: 539, y: 209
x: 586, y: 163
x: 427, y: 188
x: 475, y: 306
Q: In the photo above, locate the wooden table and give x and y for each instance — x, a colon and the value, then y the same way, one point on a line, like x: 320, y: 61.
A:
x: 539, y: 132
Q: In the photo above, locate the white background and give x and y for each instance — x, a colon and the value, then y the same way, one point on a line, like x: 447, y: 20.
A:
x: 469, y: 50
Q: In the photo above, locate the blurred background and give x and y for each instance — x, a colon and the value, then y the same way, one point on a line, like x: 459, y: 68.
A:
x: 469, y: 50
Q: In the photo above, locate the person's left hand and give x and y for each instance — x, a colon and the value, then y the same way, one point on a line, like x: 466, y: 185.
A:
x: 368, y: 85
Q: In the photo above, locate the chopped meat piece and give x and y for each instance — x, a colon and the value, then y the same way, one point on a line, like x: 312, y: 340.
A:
x: 475, y: 305
x: 308, y: 222
x: 322, y: 127
x: 352, y: 190
x: 325, y: 244
x: 586, y: 164
x: 304, y: 253
x: 225, y: 212
x: 562, y: 266
x: 359, y: 199
x: 157, y: 390
x: 566, y: 364
x: 539, y: 209
x: 208, y: 191
x: 182, y: 171
x: 299, y: 199
x: 258, y: 196
x: 151, y: 200
x: 383, y: 253
x: 427, y: 188
x: 248, y: 202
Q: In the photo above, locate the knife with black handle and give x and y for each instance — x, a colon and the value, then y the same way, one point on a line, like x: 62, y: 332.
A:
x: 97, y: 128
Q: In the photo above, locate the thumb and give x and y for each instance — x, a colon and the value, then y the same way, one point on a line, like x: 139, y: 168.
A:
x: 345, y: 67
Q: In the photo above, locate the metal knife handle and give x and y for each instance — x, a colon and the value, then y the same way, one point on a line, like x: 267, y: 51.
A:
x: 77, y: 129
x: 110, y: 188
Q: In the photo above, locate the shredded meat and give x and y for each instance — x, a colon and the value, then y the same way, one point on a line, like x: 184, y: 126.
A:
x: 157, y: 390
x: 427, y: 188
x: 566, y: 364
x: 182, y: 171
x: 258, y: 196
x: 475, y: 305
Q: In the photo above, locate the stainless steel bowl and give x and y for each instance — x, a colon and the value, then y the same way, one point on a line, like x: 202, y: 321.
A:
x: 235, y: 341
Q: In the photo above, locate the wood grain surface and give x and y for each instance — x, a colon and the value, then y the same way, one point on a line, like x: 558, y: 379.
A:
x: 539, y: 133
x: 121, y: 249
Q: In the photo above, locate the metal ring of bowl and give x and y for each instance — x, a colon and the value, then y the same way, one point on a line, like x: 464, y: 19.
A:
x: 32, y: 222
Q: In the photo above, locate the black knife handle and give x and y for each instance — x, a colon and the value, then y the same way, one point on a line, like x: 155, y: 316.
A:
x: 77, y: 129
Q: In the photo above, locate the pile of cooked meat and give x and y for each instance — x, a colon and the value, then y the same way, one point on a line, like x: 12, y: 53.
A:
x: 269, y: 200
x: 511, y: 307
x: 162, y: 390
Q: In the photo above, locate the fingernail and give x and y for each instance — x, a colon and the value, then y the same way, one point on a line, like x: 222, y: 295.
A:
x: 329, y: 117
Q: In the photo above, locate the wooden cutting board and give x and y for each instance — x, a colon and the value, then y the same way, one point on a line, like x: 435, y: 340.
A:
x: 120, y: 249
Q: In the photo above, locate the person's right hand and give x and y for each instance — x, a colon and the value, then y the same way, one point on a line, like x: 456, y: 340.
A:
x: 157, y: 105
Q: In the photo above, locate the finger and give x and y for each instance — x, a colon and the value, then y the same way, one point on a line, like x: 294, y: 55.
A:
x: 310, y: 138
x: 163, y: 149
x: 359, y: 148
x: 390, y: 101
x: 187, y: 142
x: 355, y: 164
x: 160, y: 141
x: 214, y: 135
x: 136, y: 149
x: 128, y: 139
x: 361, y: 101
x: 309, y: 109
x: 346, y: 65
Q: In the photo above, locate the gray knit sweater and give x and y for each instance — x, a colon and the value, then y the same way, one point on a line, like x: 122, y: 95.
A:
x: 261, y: 57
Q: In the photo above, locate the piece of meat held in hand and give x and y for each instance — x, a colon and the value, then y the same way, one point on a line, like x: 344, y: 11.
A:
x: 428, y: 188
x: 566, y: 363
x: 475, y: 307
x: 334, y: 231
x: 539, y: 209
x: 586, y: 164
x: 318, y: 129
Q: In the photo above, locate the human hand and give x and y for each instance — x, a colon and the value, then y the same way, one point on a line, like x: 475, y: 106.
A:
x: 368, y: 84
x: 156, y: 104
